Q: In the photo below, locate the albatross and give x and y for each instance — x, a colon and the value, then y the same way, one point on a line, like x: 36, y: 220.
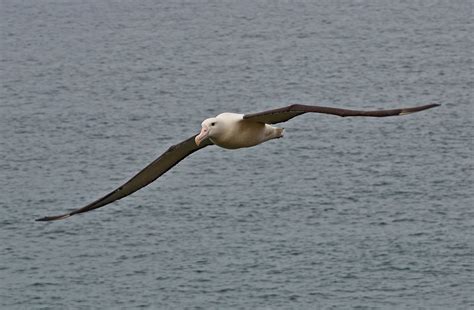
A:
x: 229, y: 131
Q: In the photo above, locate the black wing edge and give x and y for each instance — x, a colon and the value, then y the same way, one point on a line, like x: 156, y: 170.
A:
x: 100, y: 202
x: 287, y: 113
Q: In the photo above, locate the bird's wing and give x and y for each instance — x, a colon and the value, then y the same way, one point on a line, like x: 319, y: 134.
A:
x: 150, y: 173
x: 287, y: 113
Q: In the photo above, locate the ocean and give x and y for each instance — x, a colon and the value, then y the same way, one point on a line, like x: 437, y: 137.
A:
x: 342, y: 213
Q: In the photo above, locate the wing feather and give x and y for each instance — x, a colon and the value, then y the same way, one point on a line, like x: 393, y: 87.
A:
x: 286, y: 113
x: 150, y: 173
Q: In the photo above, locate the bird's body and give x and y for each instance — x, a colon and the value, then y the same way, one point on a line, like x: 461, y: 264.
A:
x: 232, y: 131
x: 229, y: 131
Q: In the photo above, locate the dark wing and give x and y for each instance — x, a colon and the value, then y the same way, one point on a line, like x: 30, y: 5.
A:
x: 150, y: 173
x: 287, y: 113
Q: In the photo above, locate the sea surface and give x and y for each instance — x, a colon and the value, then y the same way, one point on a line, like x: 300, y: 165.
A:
x: 342, y: 213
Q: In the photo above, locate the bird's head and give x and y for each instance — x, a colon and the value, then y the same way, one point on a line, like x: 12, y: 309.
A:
x: 210, y: 128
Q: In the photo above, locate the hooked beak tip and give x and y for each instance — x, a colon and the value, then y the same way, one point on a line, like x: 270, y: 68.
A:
x: 201, y: 136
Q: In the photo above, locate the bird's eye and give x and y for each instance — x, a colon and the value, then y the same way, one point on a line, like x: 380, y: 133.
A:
x: 212, y: 124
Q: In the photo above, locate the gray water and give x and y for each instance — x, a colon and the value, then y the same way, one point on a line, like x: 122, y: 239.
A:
x: 342, y: 213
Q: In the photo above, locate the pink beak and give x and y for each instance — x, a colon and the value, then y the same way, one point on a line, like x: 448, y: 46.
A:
x: 202, y: 135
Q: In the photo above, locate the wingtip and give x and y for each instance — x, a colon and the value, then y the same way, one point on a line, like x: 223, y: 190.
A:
x: 418, y: 109
x: 53, y: 218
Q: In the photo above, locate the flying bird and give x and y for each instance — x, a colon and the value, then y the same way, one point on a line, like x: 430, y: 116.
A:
x: 229, y: 131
